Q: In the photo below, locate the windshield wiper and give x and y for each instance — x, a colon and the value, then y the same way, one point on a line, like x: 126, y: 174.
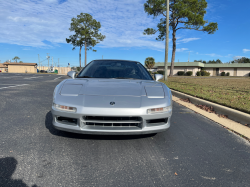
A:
x: 86, y: 77
x: 123, y: 78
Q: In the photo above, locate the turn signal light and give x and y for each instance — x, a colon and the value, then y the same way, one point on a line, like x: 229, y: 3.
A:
x: 65, y: 108
x: 159, y: 110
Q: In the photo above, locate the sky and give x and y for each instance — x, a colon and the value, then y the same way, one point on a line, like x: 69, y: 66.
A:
x: 30, y: 28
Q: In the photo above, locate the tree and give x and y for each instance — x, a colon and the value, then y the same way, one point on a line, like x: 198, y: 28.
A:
x: 197, y: 60
x: 16, y: 58
x: 218, y: 61
x: 184, y: 14
x: 211, y: 62
x: 150, y: 62
x: 86, y: 33
x: 20, y: 61
x: 241, y: 60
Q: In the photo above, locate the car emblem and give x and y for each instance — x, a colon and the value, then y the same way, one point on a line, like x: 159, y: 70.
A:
x: 112, y: 103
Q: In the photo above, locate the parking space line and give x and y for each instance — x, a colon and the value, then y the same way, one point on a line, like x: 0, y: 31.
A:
x: 57, y: 78
x: 14, y: 86
x: 31, y: 78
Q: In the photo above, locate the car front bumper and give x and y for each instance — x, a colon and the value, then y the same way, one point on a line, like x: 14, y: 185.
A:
x: 81, y: 127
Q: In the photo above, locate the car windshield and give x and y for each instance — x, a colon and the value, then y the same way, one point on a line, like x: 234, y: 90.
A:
x: 115, y: 69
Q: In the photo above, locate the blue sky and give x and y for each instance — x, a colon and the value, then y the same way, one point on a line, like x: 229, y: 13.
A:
x: 30, y: 27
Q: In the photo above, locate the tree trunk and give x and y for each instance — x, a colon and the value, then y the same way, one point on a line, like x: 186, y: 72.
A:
x: 80, y: 56
x: 173, y: 52
x: 85, y: 52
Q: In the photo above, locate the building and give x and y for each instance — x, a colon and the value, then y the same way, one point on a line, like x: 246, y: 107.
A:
x: 21, y: 67
x: 235, y: 69
x: 3, y: 68
x: 61, y: 70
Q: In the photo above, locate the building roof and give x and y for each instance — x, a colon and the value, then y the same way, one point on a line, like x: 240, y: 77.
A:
x: 187, y: 64
x: 224, y: 65
x: 20, y: 64
x: 200, y: 64
x: 2, y: 65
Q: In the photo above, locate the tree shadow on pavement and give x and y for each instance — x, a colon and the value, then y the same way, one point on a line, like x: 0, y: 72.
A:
x: 7, y: 168
x: 52, y: 130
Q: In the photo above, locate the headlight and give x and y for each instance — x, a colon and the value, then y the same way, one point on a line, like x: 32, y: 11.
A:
x: 159, y: 110
x: 64, y: 108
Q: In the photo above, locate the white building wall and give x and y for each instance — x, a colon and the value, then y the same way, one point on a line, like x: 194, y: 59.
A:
x: 181, y: 68
x: 230, y: 70
x: 240, y: 71
x: 210, y: 70
x: 243, y: 72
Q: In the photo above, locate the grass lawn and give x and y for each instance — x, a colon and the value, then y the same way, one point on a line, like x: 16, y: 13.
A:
x: 233, y: 92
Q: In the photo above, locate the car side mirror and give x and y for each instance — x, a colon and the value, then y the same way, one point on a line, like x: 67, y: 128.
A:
x: 71, y: 74
x: 158, y: 77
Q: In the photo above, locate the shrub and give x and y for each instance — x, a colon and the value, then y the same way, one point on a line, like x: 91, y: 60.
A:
x: 180, y: 73
x: 207, y: 73
x: 198, y: 73
x: 227, y: 74
x: 160, y: 72
x: 204, y: 73
x: 249, y: 74
x: 189, y: 73
x: 223, y: 74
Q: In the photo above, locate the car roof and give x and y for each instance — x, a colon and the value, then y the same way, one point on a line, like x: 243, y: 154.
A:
x: 114, y: 60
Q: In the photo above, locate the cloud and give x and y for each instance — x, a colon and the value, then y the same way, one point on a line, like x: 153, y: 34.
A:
x: 246, y: 50
x: 213, y: 55
x: 186, y: 40
x: 30, y: 22
x: 181, y: 49
x: 237, y: 57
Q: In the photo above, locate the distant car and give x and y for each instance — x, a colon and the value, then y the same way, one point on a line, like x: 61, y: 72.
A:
x: 0, y: 70
x: 112, y: 97
x: 43, y: 71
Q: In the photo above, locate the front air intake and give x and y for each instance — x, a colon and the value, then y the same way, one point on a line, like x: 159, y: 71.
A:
x: 113, y: 121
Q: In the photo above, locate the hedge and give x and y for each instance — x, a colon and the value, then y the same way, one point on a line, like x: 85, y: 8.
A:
x: 204, y: 73
x: 180, y: 73
x: 189, y: 73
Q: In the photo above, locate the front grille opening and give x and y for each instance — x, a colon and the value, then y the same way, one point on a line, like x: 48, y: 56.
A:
x: 114, y: 124
x: 111, y: 118
x: 113, y: 121
x: 162, y: 120
x: 67, y: 120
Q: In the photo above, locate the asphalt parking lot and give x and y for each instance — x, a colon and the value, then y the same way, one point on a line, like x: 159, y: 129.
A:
x: 193, y: 152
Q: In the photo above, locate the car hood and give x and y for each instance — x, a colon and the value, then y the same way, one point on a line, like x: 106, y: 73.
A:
x: 112, y: 87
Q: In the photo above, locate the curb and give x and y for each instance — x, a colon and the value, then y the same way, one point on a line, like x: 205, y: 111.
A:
x: 232, y: 114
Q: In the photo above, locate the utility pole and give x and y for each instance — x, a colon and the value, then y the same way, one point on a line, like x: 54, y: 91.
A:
x: 166, y: 45
x: 39, y: 63
x: 48, y: 59
x: 52, y: 63
x: 58, y: 62
x: 102, y: 56
x: 188, y: 56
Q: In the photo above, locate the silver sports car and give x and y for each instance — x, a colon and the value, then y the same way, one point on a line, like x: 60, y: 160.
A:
x: 112, y: 97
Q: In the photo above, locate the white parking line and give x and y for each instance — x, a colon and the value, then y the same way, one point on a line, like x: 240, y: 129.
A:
x: 10, y: 77
x: 31, y: 78
x: 14, y: 86
x: 57, y: 78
